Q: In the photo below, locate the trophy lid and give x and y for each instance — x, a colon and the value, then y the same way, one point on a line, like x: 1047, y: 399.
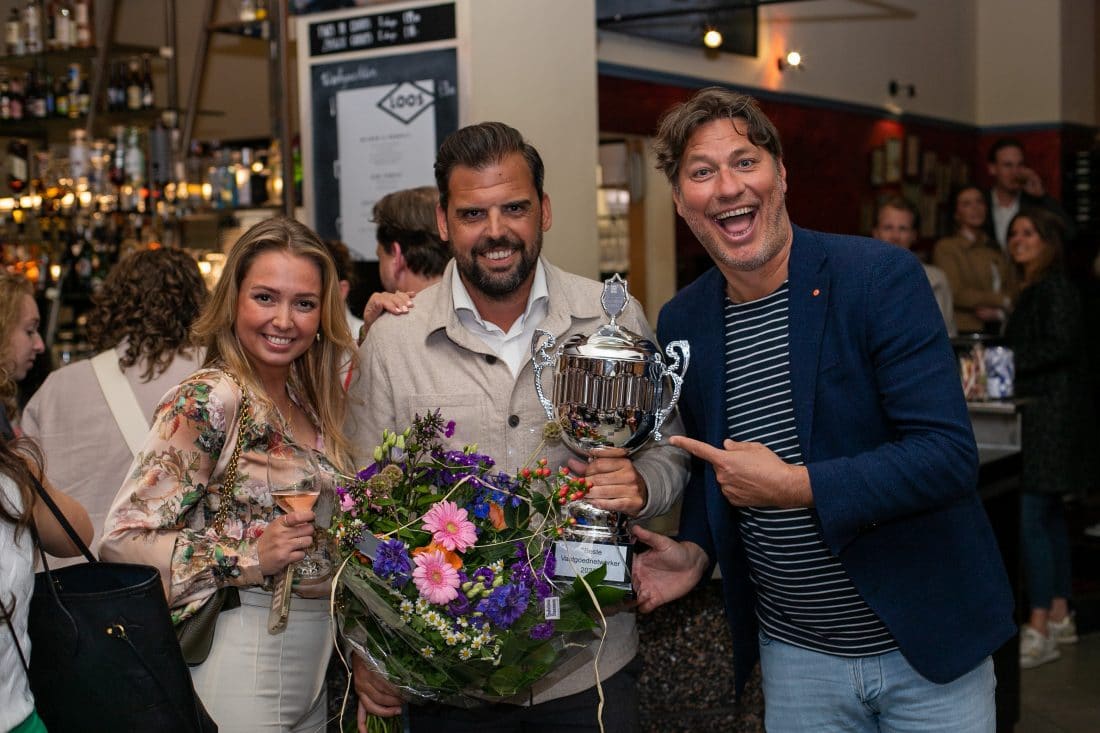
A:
x: 612, y: 341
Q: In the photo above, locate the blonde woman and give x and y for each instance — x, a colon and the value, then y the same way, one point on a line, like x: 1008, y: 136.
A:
x: 275, y: 338
x: 20, y: 343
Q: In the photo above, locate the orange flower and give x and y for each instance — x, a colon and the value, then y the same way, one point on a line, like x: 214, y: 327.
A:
x: 496, y: 516
x: 450, y: 556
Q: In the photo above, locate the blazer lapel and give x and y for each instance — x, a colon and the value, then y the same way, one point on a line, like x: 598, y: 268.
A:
x: 809, y: 300
x: 708, y: 356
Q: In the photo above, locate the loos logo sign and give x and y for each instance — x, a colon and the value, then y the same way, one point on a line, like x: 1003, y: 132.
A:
x: 408, y: 99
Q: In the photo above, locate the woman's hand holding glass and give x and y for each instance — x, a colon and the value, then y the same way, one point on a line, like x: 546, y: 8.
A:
x: 292, y: 479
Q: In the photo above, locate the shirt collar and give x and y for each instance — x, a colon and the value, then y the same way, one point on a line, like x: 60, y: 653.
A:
x: 463, y: 302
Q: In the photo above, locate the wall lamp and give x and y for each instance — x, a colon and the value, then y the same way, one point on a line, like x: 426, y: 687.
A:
x: 895, y: 89
x: 793, y: 60
x: 712, y: 37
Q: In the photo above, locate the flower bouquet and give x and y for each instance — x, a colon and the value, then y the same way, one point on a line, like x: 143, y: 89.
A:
x: 446, y: 582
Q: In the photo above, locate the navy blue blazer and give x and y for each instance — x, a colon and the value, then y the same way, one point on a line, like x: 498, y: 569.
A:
x: 886, y: 437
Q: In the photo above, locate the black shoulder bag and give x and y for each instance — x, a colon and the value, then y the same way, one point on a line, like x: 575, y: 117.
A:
x: 104, y: 655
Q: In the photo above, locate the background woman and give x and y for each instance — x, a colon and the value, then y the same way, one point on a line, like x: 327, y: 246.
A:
x: 141, y: 322
x: 19, y: 506
x: 982, y: 278
x: 274, y: 324
x: 20, y: 343
x: 1045, y: 333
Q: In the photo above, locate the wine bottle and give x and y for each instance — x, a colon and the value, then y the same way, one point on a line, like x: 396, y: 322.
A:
x: 18, y: 165
x: 133, y: 86
x: 148, y: 100
x: 13, y: 34
x: 84, y: 35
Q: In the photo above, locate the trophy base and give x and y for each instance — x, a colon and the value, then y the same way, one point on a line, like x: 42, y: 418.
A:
x: 578, y: 557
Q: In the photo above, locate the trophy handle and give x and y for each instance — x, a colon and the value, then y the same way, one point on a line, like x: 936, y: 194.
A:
x: 541, y: 358
x: 674, y: 370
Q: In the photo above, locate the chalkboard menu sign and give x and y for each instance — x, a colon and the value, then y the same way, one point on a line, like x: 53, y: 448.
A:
x: 376, y: 124
x: 382, y: 30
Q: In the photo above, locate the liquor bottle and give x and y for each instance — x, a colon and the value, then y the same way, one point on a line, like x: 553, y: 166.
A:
x: 49, y: 96
x: 78, y: 155
x: 5, y: 98
x: 116, y: 172
x: 84, y: 96
x: 133, y: 86
x: 159, y: 157
x: 13, y: 34
x: 148, y: 100
x: 32, y: 27
x: 240, y: 170
x: 116, y: 88
x: 61, y: 96
x: 73, y: 85
x: 36, y: 97
x: 18, y: 101
x: 60, y: 22
x: 83, y: 16
x: 18, y: 165
x: 135, y: 158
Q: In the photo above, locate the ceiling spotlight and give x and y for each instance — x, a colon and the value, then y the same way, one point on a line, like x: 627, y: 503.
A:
x: 793, y: 60
x: 712, y: 37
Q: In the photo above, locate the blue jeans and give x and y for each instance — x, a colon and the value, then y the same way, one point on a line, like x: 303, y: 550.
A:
x: 811, y: 691
x: 1044, y: 542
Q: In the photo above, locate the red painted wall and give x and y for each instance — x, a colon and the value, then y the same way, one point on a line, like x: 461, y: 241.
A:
x: 828, y: 152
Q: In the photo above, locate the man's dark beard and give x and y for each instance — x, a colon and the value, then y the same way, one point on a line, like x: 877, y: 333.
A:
x: 499, y: 287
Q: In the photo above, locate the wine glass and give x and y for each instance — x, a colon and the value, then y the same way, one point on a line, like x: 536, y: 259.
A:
x: 294, y: 480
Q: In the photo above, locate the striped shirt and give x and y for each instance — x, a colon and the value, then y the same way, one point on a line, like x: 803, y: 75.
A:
x: 804, y: 595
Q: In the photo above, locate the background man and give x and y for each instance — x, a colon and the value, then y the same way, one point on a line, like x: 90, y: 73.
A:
x: 466, y: 350
x: 896, y: 223
x: 836, y: 483
x: 1015, y: 186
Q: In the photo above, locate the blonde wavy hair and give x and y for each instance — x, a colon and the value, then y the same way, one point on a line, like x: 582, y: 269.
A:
x: 315, y: 374
x: 12, y: 289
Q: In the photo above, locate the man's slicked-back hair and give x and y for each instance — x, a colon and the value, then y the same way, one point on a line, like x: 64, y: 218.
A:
x: 481, y: 145
x: 713, y: 103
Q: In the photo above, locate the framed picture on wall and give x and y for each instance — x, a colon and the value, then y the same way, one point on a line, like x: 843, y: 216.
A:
x: 912, y: 157
x: 878, y: 166
x: 928, y: 168
x: 893, y: 160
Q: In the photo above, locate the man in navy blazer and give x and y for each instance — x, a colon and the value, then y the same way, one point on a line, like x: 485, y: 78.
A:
x: 836, y: 469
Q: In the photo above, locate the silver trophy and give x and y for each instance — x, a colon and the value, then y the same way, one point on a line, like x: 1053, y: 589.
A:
x: 608, y: 399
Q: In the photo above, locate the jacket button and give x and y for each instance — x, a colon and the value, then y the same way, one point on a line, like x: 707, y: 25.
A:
x: 490, y: 359
x: 513, y: 420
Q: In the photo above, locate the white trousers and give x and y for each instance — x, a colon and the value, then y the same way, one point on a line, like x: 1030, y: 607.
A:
x: 256, y: 681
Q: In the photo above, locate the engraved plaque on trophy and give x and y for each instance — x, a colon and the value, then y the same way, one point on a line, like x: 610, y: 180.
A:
x: 608, y: 398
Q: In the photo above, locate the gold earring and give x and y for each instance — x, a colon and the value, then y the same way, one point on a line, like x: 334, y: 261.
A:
x: 318, y: 337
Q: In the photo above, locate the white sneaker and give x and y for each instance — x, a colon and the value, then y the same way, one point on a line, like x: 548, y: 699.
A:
x: 1064, y: 631
x: 1036, y: 649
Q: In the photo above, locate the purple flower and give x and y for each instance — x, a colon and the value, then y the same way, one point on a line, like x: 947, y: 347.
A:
x: 367, y: 472
x: 449, y: 430
x: 542, y: 631
x: 485, y: 576
x: 459, y: 606
x: 549, y: 565
x: 391, y: 560
x: 505, y: 604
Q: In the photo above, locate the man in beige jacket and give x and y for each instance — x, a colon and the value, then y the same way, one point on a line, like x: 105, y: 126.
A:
x: 465, y: 348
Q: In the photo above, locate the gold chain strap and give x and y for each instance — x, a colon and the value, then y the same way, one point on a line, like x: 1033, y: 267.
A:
x: 229, y: 485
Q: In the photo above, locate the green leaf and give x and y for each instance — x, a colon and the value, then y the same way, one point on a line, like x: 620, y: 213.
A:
x: 506, y: 681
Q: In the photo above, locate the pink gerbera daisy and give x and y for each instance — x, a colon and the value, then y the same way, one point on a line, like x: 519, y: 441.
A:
x: 435, y: 578
x: 449, y: 526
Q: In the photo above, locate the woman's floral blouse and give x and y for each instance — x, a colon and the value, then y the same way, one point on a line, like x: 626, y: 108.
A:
x: 164, y: 513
